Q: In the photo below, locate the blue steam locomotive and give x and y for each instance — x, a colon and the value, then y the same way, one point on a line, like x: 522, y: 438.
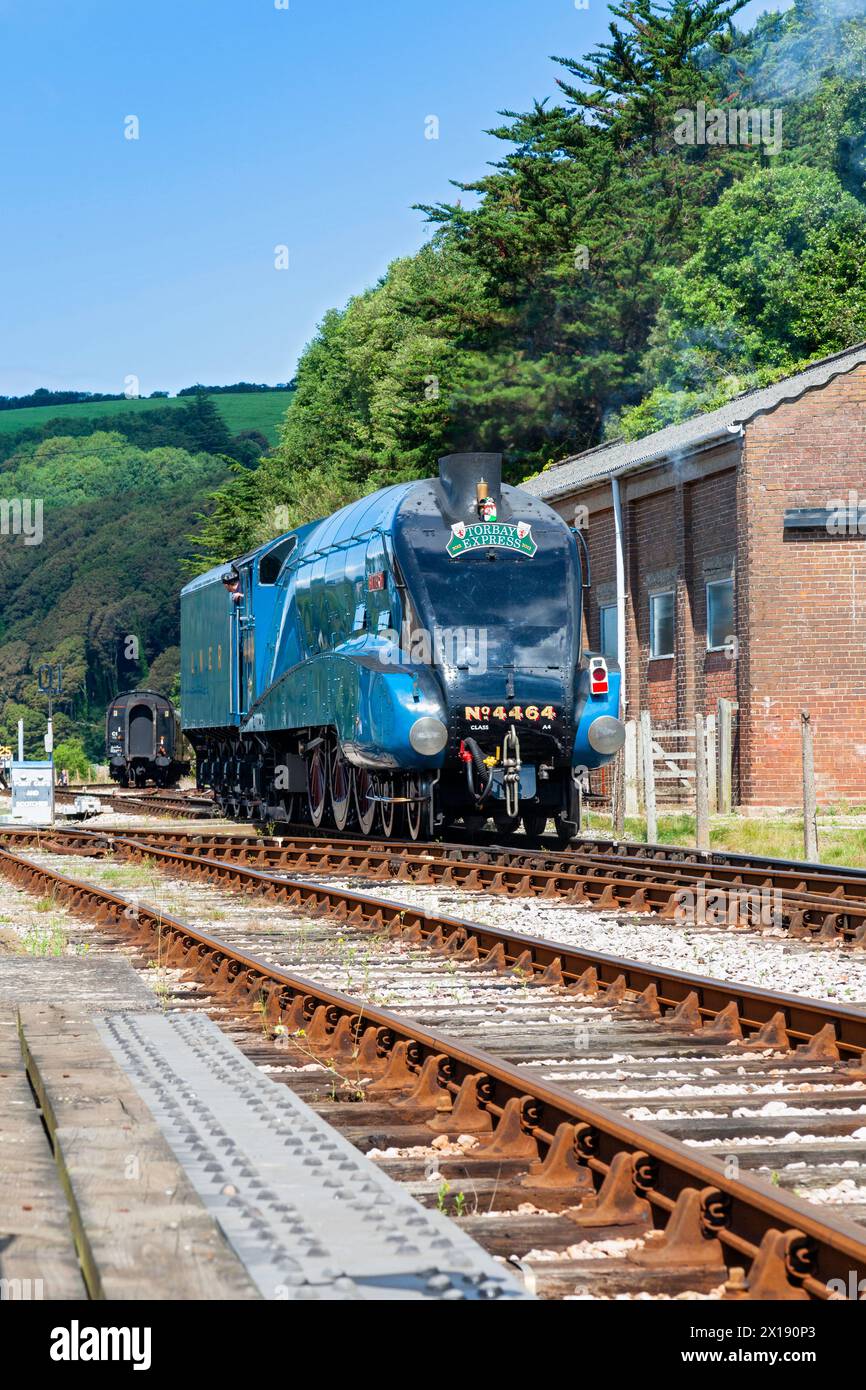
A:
x: 412, y: 661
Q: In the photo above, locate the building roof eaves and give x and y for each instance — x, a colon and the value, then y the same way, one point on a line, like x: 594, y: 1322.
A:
x: 613, y: 459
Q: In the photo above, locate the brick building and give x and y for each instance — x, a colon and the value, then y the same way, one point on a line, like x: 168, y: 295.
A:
x: 742, y: 553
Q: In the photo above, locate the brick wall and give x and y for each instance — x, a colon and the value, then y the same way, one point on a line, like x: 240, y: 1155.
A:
x: 803, y: 605
x: 653, y: 533
x: 602, y: 553
x: 800, y: 601
x: 713, y: 506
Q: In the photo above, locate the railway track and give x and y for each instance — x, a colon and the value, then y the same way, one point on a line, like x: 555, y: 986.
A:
x: 825, y: 907
x: 546, y: 849
x: 523, y: 1099
x: 765, y: 1018
x: 234, y: 860
x: 796, y: 879
x: 178, y: 805
x: 608, y: 845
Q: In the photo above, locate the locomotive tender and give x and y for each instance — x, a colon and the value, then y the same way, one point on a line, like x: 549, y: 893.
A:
x: 143, y: 740
x: 412, y: 660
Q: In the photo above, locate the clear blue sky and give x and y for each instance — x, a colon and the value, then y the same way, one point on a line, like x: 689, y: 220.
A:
x: 259, y: 126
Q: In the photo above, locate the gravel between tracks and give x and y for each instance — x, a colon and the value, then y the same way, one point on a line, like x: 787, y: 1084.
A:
x: 767, y: 960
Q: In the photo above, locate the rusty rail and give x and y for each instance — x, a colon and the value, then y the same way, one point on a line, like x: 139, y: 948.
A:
x: 726, y: 1010
x: 791, y: 1251
x: 685, y: 891
x: 766, y: 1017
x: 160, y: 803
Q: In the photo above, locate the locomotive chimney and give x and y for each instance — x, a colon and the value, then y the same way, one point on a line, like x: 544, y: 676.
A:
x: 467, y: 479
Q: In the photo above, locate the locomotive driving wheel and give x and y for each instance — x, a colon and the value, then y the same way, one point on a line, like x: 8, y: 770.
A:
x: 365, y: 809
x: 417, y: 806
x: 391, y: 813
x: 506, y: 825
x: 317, y: 783
x: 341, y: 787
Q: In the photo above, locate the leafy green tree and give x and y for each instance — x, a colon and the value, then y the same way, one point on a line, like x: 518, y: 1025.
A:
x: 69, y: 756
x: 778, y: 280
x: 165, y: 672
x: 206, y: 426
x: 809, y: 61
x: 247, y: 447
x: 592, y: 198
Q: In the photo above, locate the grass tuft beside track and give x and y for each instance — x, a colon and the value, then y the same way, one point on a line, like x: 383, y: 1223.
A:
x: 780, y: 837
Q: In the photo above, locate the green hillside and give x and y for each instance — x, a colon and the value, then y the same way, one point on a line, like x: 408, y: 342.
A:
x: 99, y: 594
x: 253, y: 410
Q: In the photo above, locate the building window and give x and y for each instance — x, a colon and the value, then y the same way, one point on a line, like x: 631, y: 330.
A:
x: 720, y: 614
x: 662, y: 624
x: 607, y: 631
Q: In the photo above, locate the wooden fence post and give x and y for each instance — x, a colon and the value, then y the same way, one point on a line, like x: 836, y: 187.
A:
x: 726, y: 751
x: 617, y: 795
x: 810, y: 806
x: 649, y: 781
x: 638, y: 742
x: 712, y: 767
x: 630, y: 759
x: 702, y: 800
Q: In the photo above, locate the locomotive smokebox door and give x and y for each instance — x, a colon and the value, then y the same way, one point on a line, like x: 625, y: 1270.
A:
x: 465, y: 480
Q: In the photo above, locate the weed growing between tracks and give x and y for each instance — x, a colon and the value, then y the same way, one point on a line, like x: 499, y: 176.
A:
x: 146, y: 875
x: 50, y: 941
x: 142, y: 875
x: 458, y: 1206
x: 161, y: 985
x: 281, y: 1038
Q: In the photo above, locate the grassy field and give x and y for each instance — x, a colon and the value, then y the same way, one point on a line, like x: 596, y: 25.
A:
x: 243, y: 410
x: 779, y: 839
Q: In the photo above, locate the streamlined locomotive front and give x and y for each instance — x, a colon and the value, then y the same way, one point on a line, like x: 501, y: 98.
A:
x: 494, y: 579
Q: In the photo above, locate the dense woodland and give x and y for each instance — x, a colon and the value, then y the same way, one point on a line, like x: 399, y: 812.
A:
x: 99, y: 594
x: 603, y: 278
